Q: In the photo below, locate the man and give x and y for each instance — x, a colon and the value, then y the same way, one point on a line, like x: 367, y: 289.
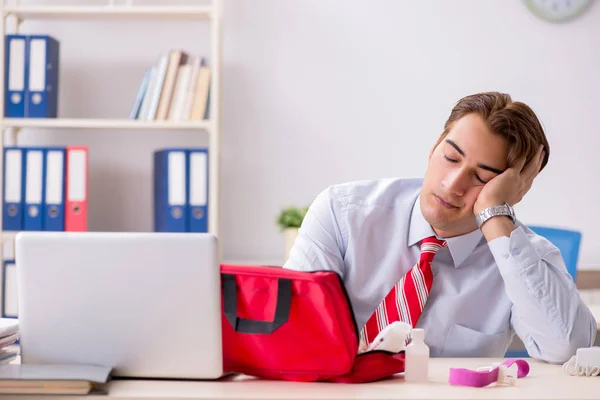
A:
x: 481, y: 275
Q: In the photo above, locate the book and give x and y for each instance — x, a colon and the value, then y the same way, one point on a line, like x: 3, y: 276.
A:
x: 175, y: 89
x: 8, y: 340
x: 201, y: 93
x: 51, y: 378
x: 141, y: 95
x: 8, y: 327
x: 7, y: 355
x: 177, y: 58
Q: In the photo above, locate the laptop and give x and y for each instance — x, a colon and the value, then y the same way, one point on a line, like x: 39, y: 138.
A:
x: 146, y: 304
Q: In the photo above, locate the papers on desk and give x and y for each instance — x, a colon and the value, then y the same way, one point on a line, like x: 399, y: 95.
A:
x: 51, y: 379
x: 43, y: 379
x: 9, y: 334
x: 8, y: 326
x: 8, y: 340
x: 7, y: 356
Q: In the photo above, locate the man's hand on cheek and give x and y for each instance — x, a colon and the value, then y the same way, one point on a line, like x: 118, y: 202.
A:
x: 510, y: 186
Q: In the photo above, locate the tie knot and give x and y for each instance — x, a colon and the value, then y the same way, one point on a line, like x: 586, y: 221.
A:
x: 432, y: 245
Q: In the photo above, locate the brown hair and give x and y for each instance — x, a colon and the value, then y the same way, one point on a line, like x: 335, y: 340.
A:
x: 512, y: 120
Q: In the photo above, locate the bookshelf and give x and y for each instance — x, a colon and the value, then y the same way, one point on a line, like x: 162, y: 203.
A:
x: 10, y: 127
x: 99, y: 123
x: 109, y: 11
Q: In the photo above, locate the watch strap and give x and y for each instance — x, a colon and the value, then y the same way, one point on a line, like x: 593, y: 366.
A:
x: 494, y: 211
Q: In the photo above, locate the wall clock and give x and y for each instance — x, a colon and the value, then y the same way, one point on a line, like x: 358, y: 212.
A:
x: 557, y: 10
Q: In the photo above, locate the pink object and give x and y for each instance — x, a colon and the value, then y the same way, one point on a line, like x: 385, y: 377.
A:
x: 76, y: 182
x: 485, y: 376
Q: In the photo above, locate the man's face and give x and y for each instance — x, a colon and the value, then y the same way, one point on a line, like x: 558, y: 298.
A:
x: 459, y: 166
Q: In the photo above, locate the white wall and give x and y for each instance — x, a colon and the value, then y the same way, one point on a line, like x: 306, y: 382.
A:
x: 317, y: 92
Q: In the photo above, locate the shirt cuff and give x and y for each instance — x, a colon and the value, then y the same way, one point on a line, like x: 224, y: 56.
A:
x: 517, y: 260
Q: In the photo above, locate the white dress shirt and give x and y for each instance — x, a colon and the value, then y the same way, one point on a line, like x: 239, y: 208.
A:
x: 482, y: 294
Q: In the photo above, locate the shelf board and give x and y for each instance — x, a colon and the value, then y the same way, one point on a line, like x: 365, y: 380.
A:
x: 116, y: 11
x: 100, y: 123
x: 8, y: 236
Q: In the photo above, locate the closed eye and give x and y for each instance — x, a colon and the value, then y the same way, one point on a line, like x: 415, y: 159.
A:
x: 455, y: 161
x: 480, y: 180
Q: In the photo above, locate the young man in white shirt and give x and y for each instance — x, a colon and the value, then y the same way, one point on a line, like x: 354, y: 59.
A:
x: 493, y: 277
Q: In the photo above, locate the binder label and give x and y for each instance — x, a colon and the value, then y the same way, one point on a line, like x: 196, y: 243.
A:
x: 13, y: 176
x: 177, y: 178
x: 37, y: 65
x: 76, y: 165
x: 33, y: 192
x: 16, y: 68
x: 54, y: 177
x: 198, y: 183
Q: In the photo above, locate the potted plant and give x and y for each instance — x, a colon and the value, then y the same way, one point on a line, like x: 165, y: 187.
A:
x: 289, y: 221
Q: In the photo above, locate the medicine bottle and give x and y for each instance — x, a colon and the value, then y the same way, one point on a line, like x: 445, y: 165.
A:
x: 416, y: 364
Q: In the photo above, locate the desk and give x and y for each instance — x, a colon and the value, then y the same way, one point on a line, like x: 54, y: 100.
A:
x: 545, y: 381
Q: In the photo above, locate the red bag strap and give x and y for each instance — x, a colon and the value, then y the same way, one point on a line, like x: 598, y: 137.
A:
x: 243, y: 325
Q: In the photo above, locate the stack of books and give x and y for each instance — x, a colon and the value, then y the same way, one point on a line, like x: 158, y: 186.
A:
x: 177, y: 88
x: 53, y: 379
x: 9, y: 334
x: 17, y: 378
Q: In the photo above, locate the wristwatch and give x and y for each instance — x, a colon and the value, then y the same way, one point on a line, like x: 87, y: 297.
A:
x: 490, y: 212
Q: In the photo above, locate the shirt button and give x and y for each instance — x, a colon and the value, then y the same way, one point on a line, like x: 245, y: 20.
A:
x: 516, y: 252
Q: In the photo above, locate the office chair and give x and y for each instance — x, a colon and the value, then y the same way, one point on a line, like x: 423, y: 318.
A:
x: 568, y: 242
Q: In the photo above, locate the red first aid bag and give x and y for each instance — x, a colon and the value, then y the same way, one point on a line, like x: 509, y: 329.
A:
x: 297, y: 326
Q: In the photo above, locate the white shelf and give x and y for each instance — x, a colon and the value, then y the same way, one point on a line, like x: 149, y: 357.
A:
x: 100, y: 123
x: 116, y: 11
x: 8, y: 236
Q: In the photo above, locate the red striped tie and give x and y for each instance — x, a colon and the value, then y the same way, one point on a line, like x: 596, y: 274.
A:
x: 407, y: 298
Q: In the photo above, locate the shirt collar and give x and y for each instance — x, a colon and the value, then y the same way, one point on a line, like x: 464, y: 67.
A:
x: 460, y: 246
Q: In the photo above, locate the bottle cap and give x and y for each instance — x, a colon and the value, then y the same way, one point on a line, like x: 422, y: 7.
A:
x: 418, y: 335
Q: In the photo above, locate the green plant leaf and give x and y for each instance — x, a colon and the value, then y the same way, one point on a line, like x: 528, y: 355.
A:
x: 291, y: 217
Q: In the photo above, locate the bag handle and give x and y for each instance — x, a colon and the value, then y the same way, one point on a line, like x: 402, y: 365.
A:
x: 243, y: 325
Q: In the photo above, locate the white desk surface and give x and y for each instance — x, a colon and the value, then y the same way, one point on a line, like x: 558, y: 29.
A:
x: 545, y: 381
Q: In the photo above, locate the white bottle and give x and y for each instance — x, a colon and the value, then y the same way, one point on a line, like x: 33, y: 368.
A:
x: 416, y: 364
